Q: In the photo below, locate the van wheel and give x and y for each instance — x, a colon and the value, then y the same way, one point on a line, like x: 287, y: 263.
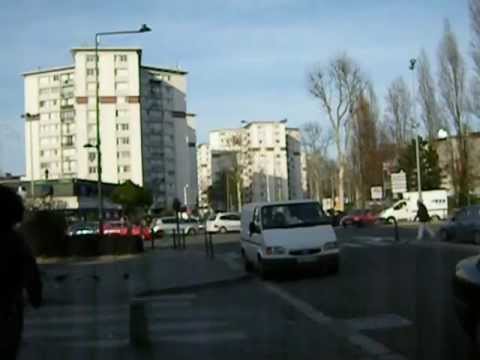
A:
x: 191, y: 231
x: 223, y: 230
x: 390, y: 220
x: 247, y: 264
x: 262, y: 271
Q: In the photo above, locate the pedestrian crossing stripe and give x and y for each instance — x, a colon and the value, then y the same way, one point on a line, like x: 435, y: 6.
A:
x: 169, y: 319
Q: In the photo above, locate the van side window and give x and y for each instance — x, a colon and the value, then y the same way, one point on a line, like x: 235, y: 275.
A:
x: 256, y: 216
x: 399, y: 205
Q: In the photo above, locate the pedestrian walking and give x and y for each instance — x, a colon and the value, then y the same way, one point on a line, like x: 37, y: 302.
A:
x: 18, y: 271
x: 424, y: 219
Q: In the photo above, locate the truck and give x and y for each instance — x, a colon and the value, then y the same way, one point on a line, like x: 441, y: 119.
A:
x: 436, y: 202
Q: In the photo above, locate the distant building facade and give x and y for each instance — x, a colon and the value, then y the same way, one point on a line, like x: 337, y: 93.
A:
x: 267, y: 155
x: 147, y: 136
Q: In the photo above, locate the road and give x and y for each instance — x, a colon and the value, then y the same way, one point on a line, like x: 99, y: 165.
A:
x: 389, y: 301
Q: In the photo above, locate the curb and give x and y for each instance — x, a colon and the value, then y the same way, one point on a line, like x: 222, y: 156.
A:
x: 195, y: 287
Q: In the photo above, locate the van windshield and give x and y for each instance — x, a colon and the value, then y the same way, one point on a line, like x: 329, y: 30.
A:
x: 293, y: 215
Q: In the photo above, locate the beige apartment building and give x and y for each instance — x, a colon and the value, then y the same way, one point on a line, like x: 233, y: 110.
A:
x: 268, y: 156
x: 147, y: 135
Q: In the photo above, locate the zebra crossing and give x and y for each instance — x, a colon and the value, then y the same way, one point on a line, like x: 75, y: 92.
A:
x: 162, y: 319
x: 367, y: 241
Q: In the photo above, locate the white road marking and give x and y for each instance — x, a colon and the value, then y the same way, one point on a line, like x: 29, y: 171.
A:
x: 173, y: 297
x: 204, y: 338
x: 97, y: 344
x: 375, y: 239
x: 186, y: 326
x: 302, y: 306
x: 76, y: 319
x: 369, y: 345
x: 378, y: 322
x: 351, y: 244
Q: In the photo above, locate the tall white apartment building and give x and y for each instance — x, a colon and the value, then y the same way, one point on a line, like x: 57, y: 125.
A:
x: 269, y: 157
x: 147, y: 136
x: 204, y: 163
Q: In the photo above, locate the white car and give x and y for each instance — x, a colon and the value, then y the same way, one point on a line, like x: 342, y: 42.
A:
x: 223, y: 222
x: 279, y: 235
x: 167, y: 225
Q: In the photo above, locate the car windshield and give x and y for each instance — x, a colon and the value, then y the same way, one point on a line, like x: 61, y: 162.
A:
x: 293, y: 215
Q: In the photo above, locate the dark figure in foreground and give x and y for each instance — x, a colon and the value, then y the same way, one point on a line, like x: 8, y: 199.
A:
x: 18, y: 271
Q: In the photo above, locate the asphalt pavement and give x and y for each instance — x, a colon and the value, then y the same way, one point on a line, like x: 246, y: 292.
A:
x: 390, y: 300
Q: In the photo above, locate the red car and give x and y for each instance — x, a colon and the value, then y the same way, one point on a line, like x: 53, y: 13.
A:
x: 122, y: 229
x: 359, y: 217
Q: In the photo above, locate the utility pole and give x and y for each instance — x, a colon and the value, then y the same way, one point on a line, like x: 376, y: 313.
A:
x: 415, y: 125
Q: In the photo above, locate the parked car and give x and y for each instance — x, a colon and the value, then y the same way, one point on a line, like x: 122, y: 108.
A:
x: 466, y: 292
x: 168, y: 224
x: 359, y: 217
x: 285, y: 235
x: 83, y: 228
x: 224, y: 222
x: 463, y: 226
x: 124, y: 229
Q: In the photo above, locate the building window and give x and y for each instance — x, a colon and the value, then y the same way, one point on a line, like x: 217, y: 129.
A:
x: 55, y: 78
x: 90, y: 58
x: 92, y: 156
x: 123, y: 141
x: 90, y: 72
x: 124, y: 126
x: 92, y: 169
x: 121, y: 58
x: 41, y: 104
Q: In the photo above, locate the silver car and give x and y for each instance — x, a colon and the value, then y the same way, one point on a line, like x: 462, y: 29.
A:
x: 167, y: 225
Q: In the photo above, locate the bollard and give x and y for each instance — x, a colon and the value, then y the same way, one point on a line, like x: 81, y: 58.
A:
x: 184, y: 245
x: 207, y: 251
x: 212, y: 253
x: 395, y: 224
x: 174, y: 238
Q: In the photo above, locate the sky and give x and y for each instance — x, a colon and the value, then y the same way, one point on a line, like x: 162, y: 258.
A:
x: 247, y: 59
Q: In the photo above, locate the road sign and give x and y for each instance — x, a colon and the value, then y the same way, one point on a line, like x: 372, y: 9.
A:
x: 399, y: 182
x: 376, y: 192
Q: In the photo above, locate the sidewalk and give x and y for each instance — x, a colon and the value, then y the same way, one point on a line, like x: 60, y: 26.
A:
x: 119, y: 280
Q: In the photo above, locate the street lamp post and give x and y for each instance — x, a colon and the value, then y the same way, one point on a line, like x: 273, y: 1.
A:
x: 185, y: 195
x: 29, y: 118
x: 97, y: 146
x: 415, y: 124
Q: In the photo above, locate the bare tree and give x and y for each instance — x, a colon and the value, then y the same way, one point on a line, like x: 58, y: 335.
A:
x: 336, y: 86
x: 475, y: 44
x: 431, y: 115
x: 452, y: 85
x: 366, y: 158
x: 316, y: 142
x: 398, y: 112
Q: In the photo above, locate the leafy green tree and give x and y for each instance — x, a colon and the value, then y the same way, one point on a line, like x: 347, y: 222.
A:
x: 132, y: 197
x: 429, y: 167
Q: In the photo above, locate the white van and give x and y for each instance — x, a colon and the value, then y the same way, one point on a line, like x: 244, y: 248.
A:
x: 436, y: 202
x: 289, y: 233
